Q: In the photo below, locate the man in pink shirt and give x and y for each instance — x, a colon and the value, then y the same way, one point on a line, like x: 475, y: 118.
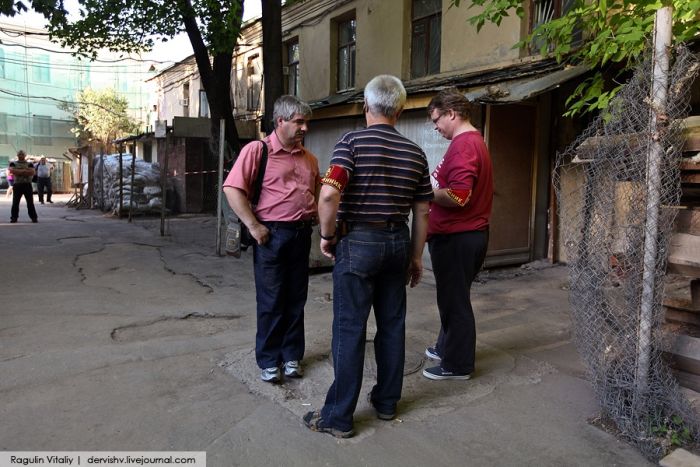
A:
x: 458, y: 232
x: 281, y: 224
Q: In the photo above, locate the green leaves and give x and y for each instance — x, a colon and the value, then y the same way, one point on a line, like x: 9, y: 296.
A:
x: 101, y: 116
x: 602, y: 35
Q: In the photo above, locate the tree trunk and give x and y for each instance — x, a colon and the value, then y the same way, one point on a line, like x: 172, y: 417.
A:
x: 216, y: 81
x: 272, y: 59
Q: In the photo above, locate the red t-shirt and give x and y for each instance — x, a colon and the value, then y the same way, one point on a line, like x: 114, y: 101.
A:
x: 466, y: 166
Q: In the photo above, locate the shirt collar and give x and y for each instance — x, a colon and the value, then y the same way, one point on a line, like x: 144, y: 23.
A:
x: 277, y: 147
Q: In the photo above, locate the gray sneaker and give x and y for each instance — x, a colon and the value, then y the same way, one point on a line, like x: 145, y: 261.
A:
x: 293, y: 369
x: 271, y: 375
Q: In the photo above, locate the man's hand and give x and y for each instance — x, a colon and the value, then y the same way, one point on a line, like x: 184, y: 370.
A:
x: 415, y: 272
x: 260, y: 233
x: 328, y: 248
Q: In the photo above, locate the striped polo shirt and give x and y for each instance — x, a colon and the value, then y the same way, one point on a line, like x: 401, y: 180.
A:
x: 388, y: 173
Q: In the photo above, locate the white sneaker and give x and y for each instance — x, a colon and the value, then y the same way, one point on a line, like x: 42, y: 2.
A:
x: 271, y: 375
x: 292, y: 369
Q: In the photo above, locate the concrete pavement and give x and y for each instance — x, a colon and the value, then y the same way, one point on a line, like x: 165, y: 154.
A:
x: 113, y: 338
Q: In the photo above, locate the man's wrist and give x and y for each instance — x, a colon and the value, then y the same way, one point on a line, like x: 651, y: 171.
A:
x: 326, y: 237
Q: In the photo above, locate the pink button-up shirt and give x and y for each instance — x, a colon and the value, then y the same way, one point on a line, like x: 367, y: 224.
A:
x: 289, y: 185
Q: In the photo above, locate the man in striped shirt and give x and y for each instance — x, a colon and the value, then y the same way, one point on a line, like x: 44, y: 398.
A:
x: 375, y: 179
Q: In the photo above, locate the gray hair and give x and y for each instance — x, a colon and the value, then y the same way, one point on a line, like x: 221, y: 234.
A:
x: 385, y: 95
x: 287, y: 106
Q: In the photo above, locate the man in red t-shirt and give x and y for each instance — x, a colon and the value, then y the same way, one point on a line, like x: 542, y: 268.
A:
x: 457, y: 232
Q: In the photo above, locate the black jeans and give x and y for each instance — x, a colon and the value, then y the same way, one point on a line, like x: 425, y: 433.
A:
x: 457, y: 259
x: 43, y: 183
x: 19, y: 190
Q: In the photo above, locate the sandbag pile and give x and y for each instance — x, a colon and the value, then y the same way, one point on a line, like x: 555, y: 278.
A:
x: 146, y: 190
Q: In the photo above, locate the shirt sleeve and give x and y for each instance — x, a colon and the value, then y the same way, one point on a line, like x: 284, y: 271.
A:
x: 343, y: 154
x: 424, y: 191
x: 245, y: 168
x: 463, y: 169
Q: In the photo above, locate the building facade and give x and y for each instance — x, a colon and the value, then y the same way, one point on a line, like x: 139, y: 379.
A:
x: 38, y: 77
x: 332, y: 48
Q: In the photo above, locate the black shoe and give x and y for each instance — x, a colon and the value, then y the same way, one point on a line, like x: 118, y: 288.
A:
x: 438, y: 373
x: 13, y: 221
x: 312, y: 420
x: 41, y: 202
x: 35, y: 221
x: 49, y: 201
x: 387, y: 417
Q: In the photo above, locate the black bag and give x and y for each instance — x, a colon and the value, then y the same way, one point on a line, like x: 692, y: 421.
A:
x: 35, y: 177
x: 238, y: 237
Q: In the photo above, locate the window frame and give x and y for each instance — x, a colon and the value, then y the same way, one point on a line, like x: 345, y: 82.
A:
x: 350, y: 46
x: 41, y: 69
x: 39, y: 136
x: 291, y: 83
x: 430, y: 61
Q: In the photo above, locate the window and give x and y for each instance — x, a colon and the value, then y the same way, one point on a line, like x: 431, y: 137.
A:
x: 185, y: 101
x: 203, y: 104
x: 292, y: 71
x: 254, y: 84
x: 2, y: 63
x: 425, y: 37
x: 346, y: 55
x: 41, y: 69
x: 42, y: 130
x: 3, y: 128
x: 544, y: 11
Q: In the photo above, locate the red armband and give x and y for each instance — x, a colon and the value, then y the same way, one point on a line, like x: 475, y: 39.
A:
x: 460, y: 197
x: 336, y: 176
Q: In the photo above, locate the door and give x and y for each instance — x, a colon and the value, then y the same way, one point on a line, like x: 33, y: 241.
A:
x: 511, y: 141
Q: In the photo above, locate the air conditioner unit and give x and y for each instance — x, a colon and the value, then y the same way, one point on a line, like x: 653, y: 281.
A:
x: 184, y: 102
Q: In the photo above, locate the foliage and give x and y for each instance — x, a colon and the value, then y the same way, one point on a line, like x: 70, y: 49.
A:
x: 614, y: 34
x: 134, y: 26
x: 673, y: 431
x: 101, y: 115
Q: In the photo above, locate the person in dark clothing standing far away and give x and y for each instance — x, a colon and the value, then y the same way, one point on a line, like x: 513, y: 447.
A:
x: 376, y: 177
x: 281, y: 224
x: 458, y: 232
x: 22, y: 171
x: 43, y: 180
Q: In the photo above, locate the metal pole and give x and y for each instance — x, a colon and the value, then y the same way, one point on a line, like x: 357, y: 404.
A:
x: 133, y: 177
x: 164, y: 182
x: 121, y: 182
x: 220, y: 191
x: 659, y: 89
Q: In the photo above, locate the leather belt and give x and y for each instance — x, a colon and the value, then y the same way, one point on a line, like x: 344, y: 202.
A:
x: 379, y: 225
x: 289, y: 225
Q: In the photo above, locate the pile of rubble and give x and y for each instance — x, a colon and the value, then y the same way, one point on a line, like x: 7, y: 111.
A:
x: 145, y: 192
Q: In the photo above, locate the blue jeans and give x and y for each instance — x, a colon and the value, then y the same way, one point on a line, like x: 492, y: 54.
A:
x: 370, y: 271
x: 281, y: 285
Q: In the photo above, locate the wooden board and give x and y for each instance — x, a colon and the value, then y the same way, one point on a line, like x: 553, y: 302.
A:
x: 684, y: 255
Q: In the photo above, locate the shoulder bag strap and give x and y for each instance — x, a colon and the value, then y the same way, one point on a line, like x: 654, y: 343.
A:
x: 257, y: 187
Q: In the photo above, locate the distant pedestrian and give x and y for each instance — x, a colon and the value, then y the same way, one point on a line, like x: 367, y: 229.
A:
x: 22, y: 171
x: 43, y: 179
x: 376, y: 178
x: 10, y: 182
x: 458, y: 233
x: 281, y: 224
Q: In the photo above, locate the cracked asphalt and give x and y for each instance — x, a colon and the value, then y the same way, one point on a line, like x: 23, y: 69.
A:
x: 113, y: 338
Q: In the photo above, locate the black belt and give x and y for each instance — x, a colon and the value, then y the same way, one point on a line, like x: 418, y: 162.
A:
x: 379, y: 225
x: 289, y: 225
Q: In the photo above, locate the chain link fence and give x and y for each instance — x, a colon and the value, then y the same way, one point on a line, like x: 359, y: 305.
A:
x: 601, y: 184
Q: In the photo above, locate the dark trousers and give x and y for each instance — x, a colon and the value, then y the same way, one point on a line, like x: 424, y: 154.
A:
x: 43, y: 183
x: 369, y: 272
x: 19, y: 190
x: 457, y: 259
x: 281, y: 286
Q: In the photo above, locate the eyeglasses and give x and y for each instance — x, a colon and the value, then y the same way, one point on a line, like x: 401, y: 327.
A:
x: 437, y: 119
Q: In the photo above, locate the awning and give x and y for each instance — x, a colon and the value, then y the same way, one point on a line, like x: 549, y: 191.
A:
x: 507, y: 92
